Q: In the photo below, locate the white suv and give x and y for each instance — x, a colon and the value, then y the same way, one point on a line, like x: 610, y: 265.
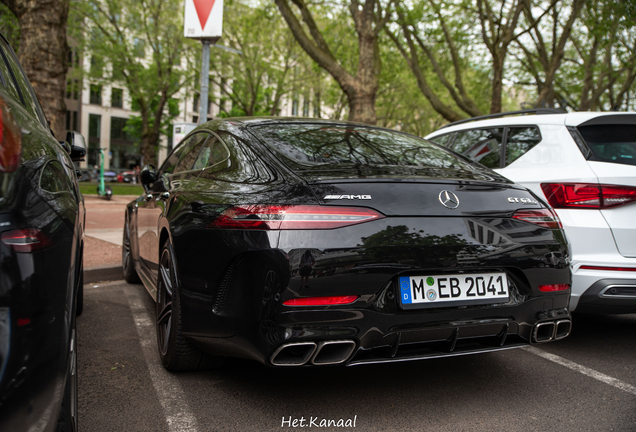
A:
x: 584, y: 165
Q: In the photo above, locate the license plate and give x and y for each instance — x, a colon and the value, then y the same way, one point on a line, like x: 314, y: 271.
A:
x: 453, y: 290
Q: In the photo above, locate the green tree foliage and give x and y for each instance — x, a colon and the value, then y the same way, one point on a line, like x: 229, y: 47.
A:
x: 368, y: 18
x: 140, y: 43
x: 266, y: 65
x: 9, y: 26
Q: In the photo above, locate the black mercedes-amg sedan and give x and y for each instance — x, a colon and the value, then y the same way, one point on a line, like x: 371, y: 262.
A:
x: 299, y: 242
x: 41, y: 239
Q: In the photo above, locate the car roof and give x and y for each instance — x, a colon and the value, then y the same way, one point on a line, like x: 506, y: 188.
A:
x: 567, y: 119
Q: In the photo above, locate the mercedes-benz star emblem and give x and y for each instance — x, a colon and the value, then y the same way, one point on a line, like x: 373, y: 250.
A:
x: 448, y: 199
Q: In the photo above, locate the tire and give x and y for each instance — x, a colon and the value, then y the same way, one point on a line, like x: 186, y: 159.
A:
x: 68, y: 419
x: 128, y: 265
x: 79, y: 308
x: 177, y: 352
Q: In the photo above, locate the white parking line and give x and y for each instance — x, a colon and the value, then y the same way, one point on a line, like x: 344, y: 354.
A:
x: 169, y: 391
x: 582, y: 369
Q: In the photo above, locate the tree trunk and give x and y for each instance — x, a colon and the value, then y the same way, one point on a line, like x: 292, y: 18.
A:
x: 362, y: 107
x: 43, y: 53
x: 497, y: 83
x: 360, y: 89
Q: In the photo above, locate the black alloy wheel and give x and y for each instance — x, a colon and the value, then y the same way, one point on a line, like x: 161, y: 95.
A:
x: 128, y: 266
x: 165, y: 288
x: 68, y: 419
x: 176, y: 351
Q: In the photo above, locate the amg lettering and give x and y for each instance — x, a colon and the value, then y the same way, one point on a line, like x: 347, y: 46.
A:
x: 348, y: 197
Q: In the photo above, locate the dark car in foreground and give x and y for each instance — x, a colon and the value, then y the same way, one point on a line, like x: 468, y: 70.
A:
x: 41, y: 232
x: 314, y: 242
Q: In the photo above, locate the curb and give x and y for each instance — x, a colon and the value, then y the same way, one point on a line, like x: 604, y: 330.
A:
x: 103, y: 273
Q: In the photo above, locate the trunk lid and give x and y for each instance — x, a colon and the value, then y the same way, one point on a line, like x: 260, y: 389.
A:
x: 409, y: 197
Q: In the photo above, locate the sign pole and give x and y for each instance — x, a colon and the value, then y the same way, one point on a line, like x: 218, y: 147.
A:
x: 203, y: 20
x: 205, y: 81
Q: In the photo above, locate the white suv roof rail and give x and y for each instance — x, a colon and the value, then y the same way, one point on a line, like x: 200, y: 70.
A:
x: 507, y: 114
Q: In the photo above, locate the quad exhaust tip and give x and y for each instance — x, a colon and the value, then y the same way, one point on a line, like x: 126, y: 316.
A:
x: 551, y: 330
x: 321, y: 353
x: 293, y: 354
x: 333, y: 352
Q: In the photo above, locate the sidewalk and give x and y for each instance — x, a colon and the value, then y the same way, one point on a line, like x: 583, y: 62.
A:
x: 103, y: 237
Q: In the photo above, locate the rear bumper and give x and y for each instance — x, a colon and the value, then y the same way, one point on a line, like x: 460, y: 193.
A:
x: 589, y: 287
x: 361, y: 336
x: 609, y: 296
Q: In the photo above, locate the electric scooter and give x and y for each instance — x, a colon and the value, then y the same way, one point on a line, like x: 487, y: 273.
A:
x: 103, y: 190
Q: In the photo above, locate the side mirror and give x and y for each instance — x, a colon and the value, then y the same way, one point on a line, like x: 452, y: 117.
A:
x: 78, y: 145
x: 66, y: 146
x: 147, y: 176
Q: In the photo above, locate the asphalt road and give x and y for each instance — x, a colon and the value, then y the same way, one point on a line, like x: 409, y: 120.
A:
x: 586, y: 382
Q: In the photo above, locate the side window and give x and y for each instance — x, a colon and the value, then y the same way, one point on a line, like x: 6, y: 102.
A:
x: 232, y: 160
x: 54, y: 179
x: 214, y: 156
x: 190, y: 152
x: 171, y: 161
x: 481, y: 145
x: 520, y: 140
x: 30, y: 101
x: 444, y: 140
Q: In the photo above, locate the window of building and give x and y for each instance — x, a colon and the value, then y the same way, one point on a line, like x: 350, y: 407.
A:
x: 72, y: 89
x: 124, y: 150
x: 195, y: 103
x: 222, y: 95
x: 118, y: 72
x: 71, y: 121
x: 97, y: 67
x: 306, y: 107
x: 72, y: 58
x: 96, y: 94
x: 94, y: 132
x: 295, y: 106
x: 117, y: 128
x: 117, y: 98
x: 139, y: 48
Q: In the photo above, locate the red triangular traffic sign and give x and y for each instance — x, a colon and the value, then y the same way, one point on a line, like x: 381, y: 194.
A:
x: 203, y: 7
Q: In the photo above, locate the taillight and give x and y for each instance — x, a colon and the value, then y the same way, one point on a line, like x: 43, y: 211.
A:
x: 25, y: 240
x: 321, y: 301
x: 10, y: 140
x: 289, y: 217
x: 605, y: 268
x: 545, y: 218
x: 587, y: 196
x: 553, y: 287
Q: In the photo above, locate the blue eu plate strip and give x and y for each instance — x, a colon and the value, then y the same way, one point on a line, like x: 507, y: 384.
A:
x: 405, y: 290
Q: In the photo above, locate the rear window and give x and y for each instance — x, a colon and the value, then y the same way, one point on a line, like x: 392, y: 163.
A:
x: 312, y: 144
x: 611, y: 142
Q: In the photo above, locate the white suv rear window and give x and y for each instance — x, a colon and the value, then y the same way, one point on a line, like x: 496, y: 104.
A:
x: 611, y: 142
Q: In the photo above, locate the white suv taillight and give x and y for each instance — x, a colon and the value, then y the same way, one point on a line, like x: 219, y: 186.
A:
x: 587, y: 196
